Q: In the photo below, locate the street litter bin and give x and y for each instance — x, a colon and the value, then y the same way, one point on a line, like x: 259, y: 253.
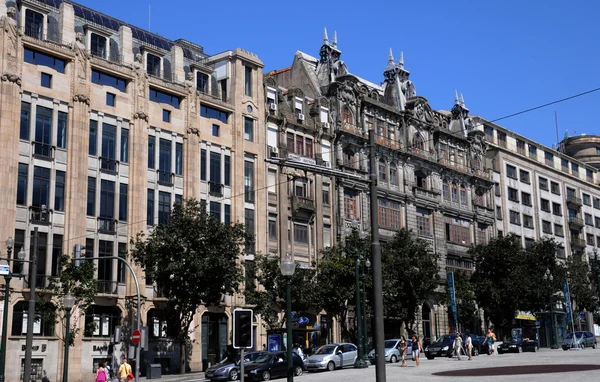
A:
x: 154, y: 371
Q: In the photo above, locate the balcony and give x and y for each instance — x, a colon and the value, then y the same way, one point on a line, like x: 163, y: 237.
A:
x: 109, y: 165
x: 577, y: 242
x: 40, y: 215
x: 43, y: 151
x: 483, y: 174
x: 107, y: 287
x: 575, y: 222
x: 456, y: 166
x: 421, y: 153
x: 215, y: 189
x: 165, y: 178
x: 302, y: 205
x: 387, y: 142
x: 107, y: 225
x: 423, y: 193
x: 352, y: 129
x: 573, y: 201
x: 484, y: 211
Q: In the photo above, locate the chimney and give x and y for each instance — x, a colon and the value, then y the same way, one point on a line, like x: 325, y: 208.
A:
x: 66, y: 23
x: 126, y: 45
x: 177, y: 63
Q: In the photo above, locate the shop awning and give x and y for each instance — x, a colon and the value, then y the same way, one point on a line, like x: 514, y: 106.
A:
x: 525, y: 316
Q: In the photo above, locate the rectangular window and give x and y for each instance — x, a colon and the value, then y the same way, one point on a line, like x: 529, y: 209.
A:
x: 589, y: 239
x: 526, y: 198
x: 546, y: 227
x: 291, y: 147
x: 110, y: 99
x: 543, y: 182
x: 43, y: 132
x: 57, y: 252
x: 249, y: 182
x: 549, y: 158
x: 22, y: 184
x: 588, y: 220
x: 93, y: 143
x: 458, y: 234
x: 38, y: 58
x: 34, y: 24
x: 202, y: 82
x: 164, y: 160
x: 25, y: 121
x: 166, y: 115
x: 515, y: 217
x: 59, y: 191
x: 41, y: 187
x: 527, y: 221
x: 46, y: 80
x: 308, y: 145
x: 178, y: 158
x: 532, y: 151
x: 250, y: 230
x: 498, y: 212
x: 150, y: 207
x: 511, y: 171
x: 596, y: 203
x: 423, y: 222
x: 501, y: 138
x: 91, y: 197
x: 105, y: 79
x: 227, y: 169
x: 202, y: 164
x: 382, y: 172
x: 249, y: 129
x: 223, y: 85
x: 299, y: 145
x: 555, y: 188
x: 300, y: 234
x: 489, y: 133
x: 248, y: 81
x: 97, y: 45
x: 61, y: 130
x: 545, y: 205
x: 107, y: 199
x: 556, y: 209
x: 389, y: 214
x: 151, y: 151
x: 558, y: 230
x: 215, y: 210
x: 162, y: 97
x: 350, y: 204
x: 597, y: 222
x: 564, y: 164
x: 589, y: 174
x: 524, y: 176
x: 164, y: 207
x: 513, y: 194
x: 121, y: 272
x: 153, y: 64
x: 123, y: 202
x: 227, y: 214
x: 587, y: 200
x: 520, y: 147
x: 215, y: 130
x: 215, y: 168
x: 209, y: 112
x: 393, y: 175
x: 272, y: 227
x: 574, y: 168
x: 326, y: 196
x: 124, y: 145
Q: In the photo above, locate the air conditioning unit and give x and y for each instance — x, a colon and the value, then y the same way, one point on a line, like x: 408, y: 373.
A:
x: 273, y: 106
x: 300, y: 117
x: 325, y: 126
x: 272, y: 151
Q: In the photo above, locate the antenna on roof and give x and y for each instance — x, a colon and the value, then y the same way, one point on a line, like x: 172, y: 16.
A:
x: 556, y: 123
x: 149, y: 18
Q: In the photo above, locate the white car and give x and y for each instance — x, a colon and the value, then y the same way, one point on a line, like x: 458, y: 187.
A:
x: 392, y: 354
x: 332, y: 356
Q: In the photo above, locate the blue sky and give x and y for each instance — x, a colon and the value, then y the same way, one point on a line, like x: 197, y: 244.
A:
x: 504, y: 56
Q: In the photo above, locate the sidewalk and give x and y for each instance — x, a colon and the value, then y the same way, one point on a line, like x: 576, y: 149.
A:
x: 192, y: 376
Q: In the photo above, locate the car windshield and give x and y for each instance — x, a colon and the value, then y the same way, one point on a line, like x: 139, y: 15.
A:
x: 326, y: 349
x: 225, y: 361
x: 577, y: 334
x: 442, y: 339
x: 390, y: 344
x: 264, y: 358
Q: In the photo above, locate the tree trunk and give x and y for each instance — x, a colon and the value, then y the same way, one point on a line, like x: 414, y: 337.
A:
x: 182, y: 357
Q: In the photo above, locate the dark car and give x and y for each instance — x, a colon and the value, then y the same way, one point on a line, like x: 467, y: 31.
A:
x: 442, y: 347
x: 227, y: 371
x: 272, y: 365
x: 476, y: 343
x: 581, y: 340
x: 518, y: 345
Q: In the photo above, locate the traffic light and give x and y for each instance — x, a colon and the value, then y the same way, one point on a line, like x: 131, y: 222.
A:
x: 242, y: 328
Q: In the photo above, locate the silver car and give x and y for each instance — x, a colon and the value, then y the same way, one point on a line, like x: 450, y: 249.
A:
x: 392, y: 354
x: 332, y: 356
x: 580, y: 339
x: 228, y: 371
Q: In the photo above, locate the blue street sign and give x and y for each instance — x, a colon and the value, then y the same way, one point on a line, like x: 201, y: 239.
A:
x: 274, y: 342
x: 569, y: 315
x: 4, y: 269
x: 452, y: 296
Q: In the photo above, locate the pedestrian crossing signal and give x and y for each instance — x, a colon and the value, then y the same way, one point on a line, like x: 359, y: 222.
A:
x: 242, y: 328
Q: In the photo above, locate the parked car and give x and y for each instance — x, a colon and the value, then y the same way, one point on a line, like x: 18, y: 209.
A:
x: 518, y: 345
x: 271, y: 365
x: 392, y: 354
x: 476, y: 343
x: 332, y: 356
x: 442, y: 347
x: 580, y: 339
x: 229, y: 371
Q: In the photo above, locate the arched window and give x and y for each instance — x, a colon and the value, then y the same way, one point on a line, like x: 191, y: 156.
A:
x: 393, y: 174
x: 454, y: 192
x: 463, y: 195
x: 349, y: 160
x: 346, y: 114
x: 446, y: 190
x: 100, y: 321
x: 42, y: 326
x: 382, y: 171
x: 418, y: 142
x: 420, y: 179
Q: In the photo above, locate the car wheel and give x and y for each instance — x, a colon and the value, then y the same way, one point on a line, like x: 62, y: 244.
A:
x: 520, y: 349
x: 594, y: 346
x: 331, y: 366
x: 536, y: 348
x: 266, y: 375
x: 298, y: 371
x: 430, y: 357
x: 393, y: 359
x: 233, y: 375
x: 582, y: 346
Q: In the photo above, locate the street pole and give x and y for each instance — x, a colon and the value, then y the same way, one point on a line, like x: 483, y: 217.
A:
x: 4, y: 326
x: 288, y: 327
x: 360, y: 362
x: 31, y: 308
x: 376, y: 255
x: 67, y: 344
x: 364, y: 316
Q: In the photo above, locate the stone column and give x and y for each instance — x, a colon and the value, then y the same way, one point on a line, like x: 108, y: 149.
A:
x: 66, y: 22
x: 177, y: 63
x: 126, y: 45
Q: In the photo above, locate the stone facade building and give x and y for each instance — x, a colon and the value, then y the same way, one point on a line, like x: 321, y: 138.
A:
x: 432, y: 173
x: 103, y: 127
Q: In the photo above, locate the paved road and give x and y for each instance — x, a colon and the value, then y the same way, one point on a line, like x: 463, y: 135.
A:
x: 395, y: 373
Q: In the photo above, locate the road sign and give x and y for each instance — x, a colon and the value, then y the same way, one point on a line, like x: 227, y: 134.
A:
x: 303, y: 320
x: 136, y: 337
x: 4, y: 269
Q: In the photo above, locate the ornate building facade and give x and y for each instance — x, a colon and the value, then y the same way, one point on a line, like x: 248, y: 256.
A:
x: 104, y: 127
x: 432, y: 171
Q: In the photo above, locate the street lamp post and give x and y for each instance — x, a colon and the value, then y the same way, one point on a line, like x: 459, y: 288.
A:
x: 68, y: 302
x: 549, y: 279
x: 288, y: 266
x: 360, y: 361
x: 364, y: 304
x: 7, y: 278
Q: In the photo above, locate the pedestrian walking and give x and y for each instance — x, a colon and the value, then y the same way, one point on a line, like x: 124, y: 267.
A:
x: 125, y: 373
x: 416, y: 348
x: 469, y: 346
x: 457, y: 345
x: 402, y: 348
x: 101, y: 373
x: 490, y: 338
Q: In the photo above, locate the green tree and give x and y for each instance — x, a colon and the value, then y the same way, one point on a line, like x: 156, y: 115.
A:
x: 465, y: 300
x: 77, y: 281
x: 194, y: 258
x: 410, y: 276
x: 269, y: 298
x: 581, y: 285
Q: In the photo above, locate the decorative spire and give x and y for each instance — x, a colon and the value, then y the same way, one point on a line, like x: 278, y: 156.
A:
x: 325, y: 38
x: 456, y: 101
x: 401, y: 60
x: 391, y: 57
x: 462, y: 100
x: 334, y: 42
